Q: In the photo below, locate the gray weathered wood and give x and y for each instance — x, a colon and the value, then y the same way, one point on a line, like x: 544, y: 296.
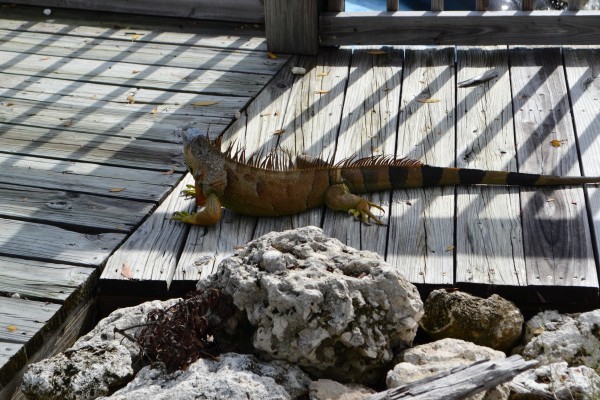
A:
x: 336, y: 5
x: 368, y: 128
x: 292, y: 26
x: 225, y: 10
x: 150, y: 253
x: 460, y: 28
x: 528, y: 5
x: 461, y: 382
x: 79, y: 211
x: 23, y: 323
x: 150, y: 76
x: 86, y: 178
x: 557, y: 242
x: 45, y: 242
x: 489, y: 238
x: 437, y: 5
x: 583, y: 69
x: 109, y: 150
x: 574, y: 5
x: 41, y: 280
x: 135, y: 51
x: 421, y: 230
x: 482, y: 5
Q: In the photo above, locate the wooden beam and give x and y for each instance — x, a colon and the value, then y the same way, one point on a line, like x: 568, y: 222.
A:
x: 528, y: 5
x: 337, y: 5
x: 574, y: 5
x: 472, y: 28
x: 437, y: 5
x: 392, y: 5
x: 292, y: 26
x: 482, y: 5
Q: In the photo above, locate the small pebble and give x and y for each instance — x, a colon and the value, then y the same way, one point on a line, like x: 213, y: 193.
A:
x: 298, y: 70
x: 47, y: 11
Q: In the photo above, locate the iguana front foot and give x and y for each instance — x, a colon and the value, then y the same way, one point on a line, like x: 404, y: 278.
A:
x: 339, y: 198
x: 210, y: 215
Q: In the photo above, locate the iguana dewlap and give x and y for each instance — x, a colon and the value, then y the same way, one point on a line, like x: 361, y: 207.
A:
x: 224, y: 179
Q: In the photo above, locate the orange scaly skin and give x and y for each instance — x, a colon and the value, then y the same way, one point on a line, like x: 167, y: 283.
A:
x: 223, y: 180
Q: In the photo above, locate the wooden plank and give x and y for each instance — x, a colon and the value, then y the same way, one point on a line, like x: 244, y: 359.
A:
x: 421, y: 229
x: 150, y: 254
x: 391, y: 5
x: 77, y: 211
x: 311, y: 122
x: 468, y: 28
x: 583, y: 68
x: 46, y: 242
x: 221, y: 10
x: 437, y: 5
x: 153, y: 30
x: 24, y: 323
x: 109, y: 150
x: 489, y: 237
x: 41, y: 280
x: 368, y: 128
x: 336, y: 5
x: 86, y: 178
x: 138, y: 52
x: 557, y: 242
x: 139, y: 121
x: 292, y: 26
x: 118, y: 73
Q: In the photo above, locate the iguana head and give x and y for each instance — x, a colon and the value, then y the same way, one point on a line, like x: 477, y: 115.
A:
x: 205, y: 161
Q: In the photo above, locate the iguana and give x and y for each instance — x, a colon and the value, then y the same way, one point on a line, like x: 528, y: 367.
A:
x: 225, y: 179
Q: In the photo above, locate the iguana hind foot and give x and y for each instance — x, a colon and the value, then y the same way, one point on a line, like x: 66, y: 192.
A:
x: 209, y: 215
x: 339, y: 198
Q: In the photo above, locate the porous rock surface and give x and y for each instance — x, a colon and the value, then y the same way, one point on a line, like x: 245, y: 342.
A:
x: 552, y: 337
x: 326, y: 389
x: 426, y: 360
x: 556, y: 381
x: 232, y: 376
x: 338, y: 312
x: 492, y: 322
x: 98, y: 363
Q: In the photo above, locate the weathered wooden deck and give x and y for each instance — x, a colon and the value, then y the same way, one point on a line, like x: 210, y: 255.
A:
x: 90, y: 162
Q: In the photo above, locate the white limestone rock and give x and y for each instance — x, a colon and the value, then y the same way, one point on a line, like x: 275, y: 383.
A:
x: 232, y: 376
x: 425, y: 360
x: 552, y: 337
x: 326, y: 389
x: 556, y: 381
x: 85, y: 373
x: 338, y: 312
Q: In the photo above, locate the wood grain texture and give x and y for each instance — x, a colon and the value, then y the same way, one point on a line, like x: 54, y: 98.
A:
x: 154, y: 29
x: 150, y: 253
x: 225, y: 10
x: 101, y: 149
x: 41, y: 280
x: 468, y: 28
x: 150, y: 76
x: 368, y: 128
x: 46, y: 242
x: 557, y: 242
x: 583, y: 69
x: 489, y: 238
x: 437, y: 5
x: 292, y: 26
x: 128, y: 50
x: 421, y: 232
x: 69, y: 209
x: 86, y: 178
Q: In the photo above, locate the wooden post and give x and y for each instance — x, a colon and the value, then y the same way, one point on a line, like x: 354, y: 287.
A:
x: 574, y: 5
x: 482, y: 5
x: 392, y: 5
x: 528, y: 5
x: 437, y: 5
x: 336, y: 5
x: 292, y: 26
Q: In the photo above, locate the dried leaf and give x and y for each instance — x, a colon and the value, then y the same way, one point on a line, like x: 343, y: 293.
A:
x: 116, y: 189
x: 136, y: 71
x: 272, y: 56
x: 126, y: 271
x: 450, y: 248
x: 431, y: 100
x: 555, y: 143
x: 135, y: 37
x: 44, y: 58
x: 205, y: 103
x: 11, y: 328
x: 265, y: 114
x: 376, y: 52
x: 322, y: 91
x: 323, y: 74
x: 169, y: 172
x: 278, y: 131
x: 154, y: 110
x: 10, y: 104
x: 131, y: 99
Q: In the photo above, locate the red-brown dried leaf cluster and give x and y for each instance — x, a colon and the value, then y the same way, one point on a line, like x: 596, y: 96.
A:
x: 181, y: 334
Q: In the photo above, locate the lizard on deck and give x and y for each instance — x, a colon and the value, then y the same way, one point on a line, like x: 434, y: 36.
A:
x: 225, y: 179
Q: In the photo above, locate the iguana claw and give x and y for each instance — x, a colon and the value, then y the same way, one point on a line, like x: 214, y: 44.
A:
x: 189, y: 191
x: 363, y: 209
x: 184, y: 216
